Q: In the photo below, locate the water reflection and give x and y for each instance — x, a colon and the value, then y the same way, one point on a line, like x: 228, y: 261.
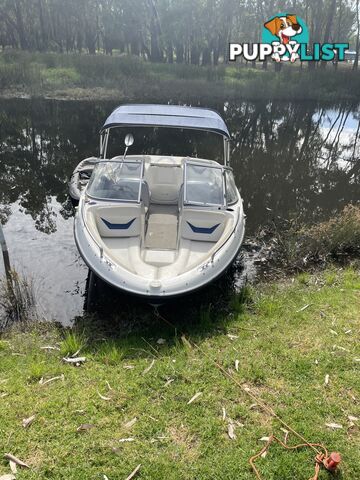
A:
x: 289, y: 159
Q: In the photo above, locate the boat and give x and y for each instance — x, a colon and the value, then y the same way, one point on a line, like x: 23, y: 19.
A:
x: 158, y: 226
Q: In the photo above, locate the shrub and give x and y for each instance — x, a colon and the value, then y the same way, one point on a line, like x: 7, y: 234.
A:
x: 61, y: 76
x: 72, y: 343
x: 17, y: 298
x: 337, y: 238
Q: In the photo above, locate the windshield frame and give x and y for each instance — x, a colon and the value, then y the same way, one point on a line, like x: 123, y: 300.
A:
x: 105, y: 135
x: 139, y: 179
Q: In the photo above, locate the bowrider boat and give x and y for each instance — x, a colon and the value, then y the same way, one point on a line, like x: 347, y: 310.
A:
x: 152, y: 225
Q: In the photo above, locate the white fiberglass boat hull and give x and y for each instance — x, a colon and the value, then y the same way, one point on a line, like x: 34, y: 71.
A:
x: 153, y: 225
x: 199, y: 276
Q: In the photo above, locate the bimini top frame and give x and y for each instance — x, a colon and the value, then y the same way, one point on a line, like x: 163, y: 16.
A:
x: 170, y: 116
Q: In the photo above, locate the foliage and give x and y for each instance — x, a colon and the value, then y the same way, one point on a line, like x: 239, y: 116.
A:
x: 181, y: 31
x: 72, y: 343
x: 298, y: 246
x: 40, y: 74
x: 17, y: 298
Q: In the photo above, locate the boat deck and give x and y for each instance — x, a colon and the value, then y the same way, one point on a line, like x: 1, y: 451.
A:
x: 162, y: 227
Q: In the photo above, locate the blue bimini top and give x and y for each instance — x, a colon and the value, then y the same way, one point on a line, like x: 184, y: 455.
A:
x: 167, y: 116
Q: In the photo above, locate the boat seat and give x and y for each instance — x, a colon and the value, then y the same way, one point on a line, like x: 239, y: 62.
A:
x: 203, y: 225
x: 164, y: 182
x: 118, y: 220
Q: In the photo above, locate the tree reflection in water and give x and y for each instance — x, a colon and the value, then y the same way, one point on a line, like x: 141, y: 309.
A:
x: 289, y: 159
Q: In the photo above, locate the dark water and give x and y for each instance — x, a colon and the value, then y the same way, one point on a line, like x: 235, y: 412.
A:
x: 290, y: 159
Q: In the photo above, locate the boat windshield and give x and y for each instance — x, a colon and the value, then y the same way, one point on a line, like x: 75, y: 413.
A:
x: 204, y: 185
x: 116, y: 180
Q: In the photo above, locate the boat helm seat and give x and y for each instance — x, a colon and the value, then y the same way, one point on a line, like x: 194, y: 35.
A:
x: 203, y: 225
x: 118, y: 220
x: 164, y: 181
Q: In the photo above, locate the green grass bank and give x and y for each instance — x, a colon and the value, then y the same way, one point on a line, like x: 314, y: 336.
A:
x: 295, y: 343
x: 71, y: 76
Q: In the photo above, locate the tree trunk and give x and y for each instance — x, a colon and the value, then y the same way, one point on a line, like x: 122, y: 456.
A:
x: 329, y: 22
x: 44, y: 40
x: 195, y: 55
x: 24, y: 45
x: 180, y: 53
x: 155, y: 32
x: 356, y: 60
x: 170, y: 53
x: 206, y: 56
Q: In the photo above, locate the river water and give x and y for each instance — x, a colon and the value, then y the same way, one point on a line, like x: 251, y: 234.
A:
x: 290, y: 159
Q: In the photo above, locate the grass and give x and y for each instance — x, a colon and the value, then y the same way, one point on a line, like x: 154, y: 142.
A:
x: 284, y: 353
x: 297, y: 246
x: 75, y: 76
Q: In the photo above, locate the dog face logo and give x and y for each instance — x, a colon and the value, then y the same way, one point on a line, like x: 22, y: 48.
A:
x: 284, y: 27
x: 285, y: 30
x: 285, y: 38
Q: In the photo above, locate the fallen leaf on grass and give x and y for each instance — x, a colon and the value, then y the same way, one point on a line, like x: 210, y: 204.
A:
x: 197, y: 395
x: 104, y: 398
x: 327, y: 378
x: 13, y: 467
x: 334, y: 426
x: 77, y: 361
x: 45, y: 382
x: 232, y: 337
x: 264, y: 439
x: 84, y: 427
x: 16, y: 460
x: 186, y: 342
x: 132, y: 474
x: 28, y: 421
x: 231, y: 431
x: 8, y: 477
x: 352, y: 418
x: 130, y: 423
x: 341, y: 348
x: 149, y: 367
x: 304, y: 308
x: 125, y: 440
